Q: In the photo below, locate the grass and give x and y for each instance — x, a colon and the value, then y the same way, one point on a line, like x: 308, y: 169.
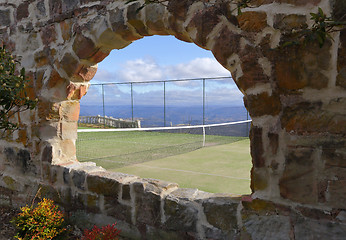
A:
x: 223, y: 166
x: 218, y: 169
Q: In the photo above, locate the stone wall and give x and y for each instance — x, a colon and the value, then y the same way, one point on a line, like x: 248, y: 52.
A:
x: 295, y: 96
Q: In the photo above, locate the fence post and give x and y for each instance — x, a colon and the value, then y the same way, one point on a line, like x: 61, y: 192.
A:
x: 103, y: 105
x: 203, y: 101
x: 132, y: 101
x: 164, y: 103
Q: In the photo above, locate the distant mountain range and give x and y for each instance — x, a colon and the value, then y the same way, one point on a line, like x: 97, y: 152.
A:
x: 151, y: 116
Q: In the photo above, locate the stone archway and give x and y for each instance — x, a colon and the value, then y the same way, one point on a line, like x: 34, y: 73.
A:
x: 295, y: 95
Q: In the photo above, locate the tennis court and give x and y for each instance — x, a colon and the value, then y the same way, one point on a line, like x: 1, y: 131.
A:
x: 189, y: 157
x: 218, y: 169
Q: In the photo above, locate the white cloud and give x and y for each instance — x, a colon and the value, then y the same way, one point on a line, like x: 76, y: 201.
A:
x: 140, y: 70
x: 197, y: 68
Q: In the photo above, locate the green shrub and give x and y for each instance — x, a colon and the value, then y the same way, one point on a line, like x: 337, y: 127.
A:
x: 43, y: 222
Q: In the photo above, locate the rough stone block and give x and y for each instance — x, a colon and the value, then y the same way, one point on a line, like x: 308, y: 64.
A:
x: 113, y: 208
x: 289, y: 22
x: 100, y: 184
x: 5, y: 17
x: 69, y: 110
x: 78, y: 179
x: 318, y: 229
x: 225, y: 45
x: 180, y: 214
x: 263, y: 104
x: 222, y: 213
x: 252, y: 21
x: 298, y: 181
x: 256, y: 146
x: 84, y: 47
x: 22, y: 11
x: 147, y: 203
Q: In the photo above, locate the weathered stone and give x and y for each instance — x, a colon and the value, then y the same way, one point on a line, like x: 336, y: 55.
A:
x: 225, y: 45
x: 257, y: 147
x: 289, y: 22
x: 41, y: 9
x: 5, y: 19
x: 339, y: 9
x: 114, y: 208
x: 47, y: 154
x: 84, y: 47
x: 86, y: 73
x: 103, y: 185
x: 259, y: 179
x: 298, y: 181
x: 134, y: 19
x: 221, y: 213
x: 260, y: 227
x: 48, y: 35
x: 126, y: 195
x: 252, y: 21
x: 252, y: 71
x: 319, y: 229
x: 308, y: 117
x: 147, y: 203
x: 179, y: 8
x: 179, y: 214
x: 119, y: 26
x: 262, y: 104
x: 78, y: 178
x: 68, y: 130
x: 69, y: 64
x: 22, y: 11
x: 69, y: 110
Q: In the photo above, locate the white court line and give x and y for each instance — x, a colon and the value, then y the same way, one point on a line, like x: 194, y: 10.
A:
x: 188, y: 171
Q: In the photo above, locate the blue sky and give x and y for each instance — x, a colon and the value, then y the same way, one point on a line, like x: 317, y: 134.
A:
x: 162, y: 58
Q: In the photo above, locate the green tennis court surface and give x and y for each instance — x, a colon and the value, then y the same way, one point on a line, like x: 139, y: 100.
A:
x: 217, y: 169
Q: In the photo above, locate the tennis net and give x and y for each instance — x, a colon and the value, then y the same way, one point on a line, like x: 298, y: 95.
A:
x: 115, y: 148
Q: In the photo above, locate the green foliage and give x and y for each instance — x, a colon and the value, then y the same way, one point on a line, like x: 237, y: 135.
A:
x: 13, y: 91
x: 109, y: 232
x: 319, y: 32
x: 43, y: 222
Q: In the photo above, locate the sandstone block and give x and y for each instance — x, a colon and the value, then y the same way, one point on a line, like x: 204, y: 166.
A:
x: 252, y: 21
x: 119, y: 26
x: 289, y: 22
x: 221, y: 213
x: 114, y: 208
x: 263, y: 104
x: 78, y: 178
x: 5, y: 17
x: 22, y: 11
x: 298, y: 181
x: 103, y: 185
x: 69, y: 110
x: 147, y: 203
x: 83, y: 46
x: 68, y: 130
x: 225, y: 45
x: 257, y: 147
x: 48, y: 35
x: 180, y: 214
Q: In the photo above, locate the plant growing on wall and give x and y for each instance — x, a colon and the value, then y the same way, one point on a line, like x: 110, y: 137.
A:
x: 13, y: 92
x: 319, y: 32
